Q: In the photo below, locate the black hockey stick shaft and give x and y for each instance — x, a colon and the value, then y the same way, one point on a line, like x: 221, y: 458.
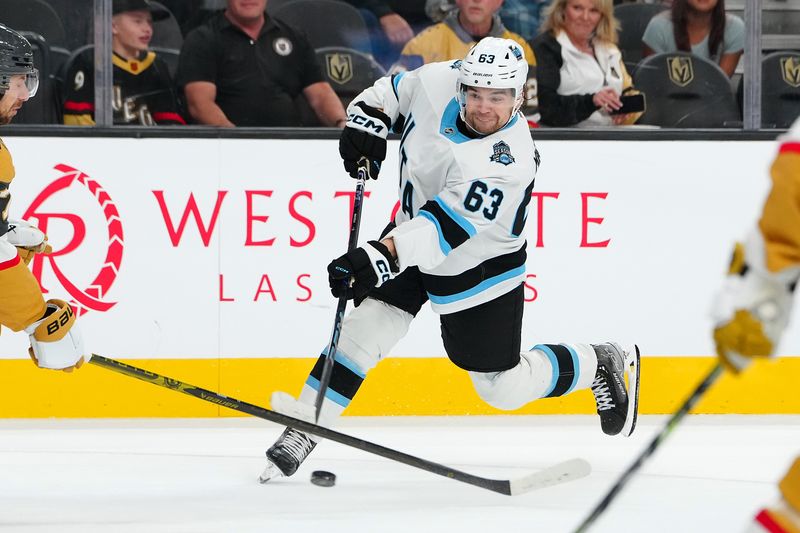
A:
x: 671, y: 424
x: 355, y: 224
x: 501, y: 486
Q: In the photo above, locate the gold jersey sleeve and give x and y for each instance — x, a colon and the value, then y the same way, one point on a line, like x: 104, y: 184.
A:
x: 6, y: 175
x: 21, y: 301
x: 780, y: 219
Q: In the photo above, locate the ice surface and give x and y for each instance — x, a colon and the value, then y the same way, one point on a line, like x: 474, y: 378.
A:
x: 200, y: 476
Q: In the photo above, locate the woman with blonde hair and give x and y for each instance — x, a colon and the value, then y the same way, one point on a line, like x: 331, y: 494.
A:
x: 580, y: 71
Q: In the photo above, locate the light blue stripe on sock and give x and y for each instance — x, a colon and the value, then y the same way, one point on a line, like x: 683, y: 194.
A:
x: 343, y: 360
x: 553, y: 362
x: 330, y: 394
x: 575, y: 365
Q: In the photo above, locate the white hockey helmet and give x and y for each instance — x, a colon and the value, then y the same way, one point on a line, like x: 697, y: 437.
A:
x: 494, y: 63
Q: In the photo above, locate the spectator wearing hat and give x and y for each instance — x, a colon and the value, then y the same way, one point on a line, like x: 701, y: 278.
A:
x: 144, y: 93
x: 244, y: 68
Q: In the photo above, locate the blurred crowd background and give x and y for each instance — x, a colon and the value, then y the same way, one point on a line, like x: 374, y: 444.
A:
x: 298, y: 63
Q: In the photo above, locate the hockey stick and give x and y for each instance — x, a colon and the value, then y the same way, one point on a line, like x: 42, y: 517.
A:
x: 652, y: 447
x: 559, y: 473
x: 355, y: 223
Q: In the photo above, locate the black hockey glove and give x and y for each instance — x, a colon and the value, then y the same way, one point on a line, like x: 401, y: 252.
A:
x: 364, y: 138
x: 360, y: 270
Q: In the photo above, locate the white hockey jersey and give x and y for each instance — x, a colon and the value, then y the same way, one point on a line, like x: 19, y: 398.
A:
x: 464, y: 198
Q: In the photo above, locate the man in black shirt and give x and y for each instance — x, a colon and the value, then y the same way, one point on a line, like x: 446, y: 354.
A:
x: 243, y: 68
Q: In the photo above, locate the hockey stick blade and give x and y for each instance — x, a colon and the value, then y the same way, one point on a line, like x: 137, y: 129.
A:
x: 285, y: 403
x: 560, y: 473
x: 554, y: 475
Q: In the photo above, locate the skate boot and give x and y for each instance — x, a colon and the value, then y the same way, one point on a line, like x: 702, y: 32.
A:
x: 617, y: 405
x: 285, y: 456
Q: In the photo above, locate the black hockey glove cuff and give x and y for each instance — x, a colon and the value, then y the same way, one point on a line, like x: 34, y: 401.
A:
x: 360, y: 270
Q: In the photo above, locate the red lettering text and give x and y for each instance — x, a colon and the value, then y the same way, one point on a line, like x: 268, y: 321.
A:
x: 251, y: 217
x: 261, y: 289
x: 222, y: 297
x: 305, y: 288
x: 300, y: 218
x: 531, y: 292
x: 191, y: 208
x: 586, y: 220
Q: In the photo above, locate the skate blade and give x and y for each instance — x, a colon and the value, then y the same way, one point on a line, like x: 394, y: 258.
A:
x: 632, y: 372
x: 270, y: 472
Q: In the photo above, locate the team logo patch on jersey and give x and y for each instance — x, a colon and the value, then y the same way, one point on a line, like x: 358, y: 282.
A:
x: 680, y: 70
x: 502, y: 154
x: 340, y: 67
x: 790, y: 69
x: 282, y: 46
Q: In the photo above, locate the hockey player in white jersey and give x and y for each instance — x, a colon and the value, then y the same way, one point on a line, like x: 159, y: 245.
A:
x: 467, y: 168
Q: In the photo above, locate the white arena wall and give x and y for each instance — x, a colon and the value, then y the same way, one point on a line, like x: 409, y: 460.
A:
x: 205, y: 259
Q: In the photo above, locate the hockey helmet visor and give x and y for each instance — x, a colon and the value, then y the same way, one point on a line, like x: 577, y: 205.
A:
x: 16, y: 59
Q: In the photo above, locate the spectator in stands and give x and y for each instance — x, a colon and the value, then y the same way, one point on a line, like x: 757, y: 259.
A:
x: 243, y: 68
x: 144, y: 92
x: 462, y: 28
x: 396, y: 17
x: 580, y: 70
x: 391, y: 24
x: 519, y: 16
x: 698, y: 26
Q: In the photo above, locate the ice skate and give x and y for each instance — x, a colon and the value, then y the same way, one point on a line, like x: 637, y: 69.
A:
x: 617, y: 405
x: 285, y: 456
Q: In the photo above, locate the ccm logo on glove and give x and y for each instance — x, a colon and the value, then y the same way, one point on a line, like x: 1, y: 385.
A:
x: 366, y: 123
x: 384, y: 271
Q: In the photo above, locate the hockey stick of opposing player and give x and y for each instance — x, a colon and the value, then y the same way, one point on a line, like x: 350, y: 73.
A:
x: 671, y: 424
x: 355, y: 223
x: 560, y: 473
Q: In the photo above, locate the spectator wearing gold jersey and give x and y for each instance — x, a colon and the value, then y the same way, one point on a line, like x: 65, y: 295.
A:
x: 462, y: 28
x: 580, y: 70
x: 143, y: 90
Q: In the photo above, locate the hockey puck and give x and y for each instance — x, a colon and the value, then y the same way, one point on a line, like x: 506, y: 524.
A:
x: 322, y: 478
